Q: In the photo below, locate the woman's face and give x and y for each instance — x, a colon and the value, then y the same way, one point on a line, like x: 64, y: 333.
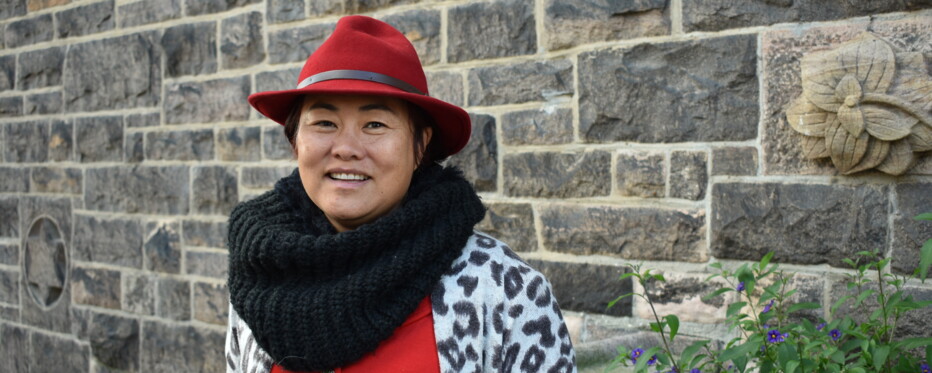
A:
x: 355, y: 156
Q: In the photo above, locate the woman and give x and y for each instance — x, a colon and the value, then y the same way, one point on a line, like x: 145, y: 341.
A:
x: 365, y: 258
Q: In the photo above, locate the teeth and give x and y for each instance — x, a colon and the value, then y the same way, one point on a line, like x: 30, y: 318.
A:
x: 352, y: 177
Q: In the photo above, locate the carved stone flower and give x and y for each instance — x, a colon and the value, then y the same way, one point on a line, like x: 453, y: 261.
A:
x: 860, y: 110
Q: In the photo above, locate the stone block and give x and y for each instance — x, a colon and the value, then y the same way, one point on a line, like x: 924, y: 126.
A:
x: 500, y: 28
x: 571, y: 23
x: 275, y: 145
x: 737, y: 161
x: 545, y: 126
x: 34, y: 5
x: 137, y: 189
x: 111, y: 241
x: 241, y: 42
x: 46, y: 263
x: 142, y: 120
x: 139, y: 292
x: 56, y: 180
x: 10, y: 9
x: 512, y: 223
x: 689, y: 174
x: 40, y: 68
x: 277, y: 80
x: 96, y: 287
x: 9, y: 253
x: 205, y: 233
x: 43, y: 103
x: 628, y: 233
x: 190, y: 49
x: 162, y: 248
x: 9, y: 286
x: 114, y: 341
x: 206, y: 264
x: 9, y: 212
x: 280, y: 11
x: 174, y: 299
x: 29, y: 31
x: 179, y: 348
x: 134, y: 147
x: 111, y: 74
x: 717, y: 15
x: 584, y: 287
x: 909, y: 234
x: 479, y: 159
x: 520, y: 82
x: 422, y: 28
x: 239, y: 144
x: 207, y: 102
x: 11, y: 106
x: 325, y: 7
x: 61, y: 141
x: 215, y: 190
x: 446, y: 86
x: 264, y: 177
x: 296, y: 44
x: 26, y: 141
x: 186, y: 145
x: 7, y: 72
x: 560, y: 175
x: 681, y: 294
x: 914, y: 324
x: 640, y: 174
x: 85, y: 20
x: 9, y: 313
x: 698, y: 90
x: 99, y: 139
x: 14, y: 180
x: 360, y: 6
x: 801, y: 223
x: 211, y: 303
x: 146, y: 12
x: 198, y: 7
x: 70, y: 356
x: 15, y: 349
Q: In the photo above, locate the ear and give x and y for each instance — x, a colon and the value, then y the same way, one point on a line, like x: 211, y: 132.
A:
x: 425, y: 135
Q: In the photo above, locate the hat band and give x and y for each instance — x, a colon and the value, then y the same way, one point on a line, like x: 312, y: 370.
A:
x: 359, y: 75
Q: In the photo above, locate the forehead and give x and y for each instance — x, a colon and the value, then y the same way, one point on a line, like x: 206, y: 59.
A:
x: 355, y: 102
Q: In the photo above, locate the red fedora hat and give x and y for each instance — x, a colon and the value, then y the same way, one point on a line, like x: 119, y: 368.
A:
x: 368, y: 56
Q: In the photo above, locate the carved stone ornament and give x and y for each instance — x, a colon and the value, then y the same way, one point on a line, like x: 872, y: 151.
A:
x: 865, y: 105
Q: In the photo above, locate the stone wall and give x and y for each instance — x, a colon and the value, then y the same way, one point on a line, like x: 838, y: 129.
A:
x: 605, y: 133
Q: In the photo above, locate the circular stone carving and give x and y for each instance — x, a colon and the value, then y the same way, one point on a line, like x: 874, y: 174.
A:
x: 46, y: 262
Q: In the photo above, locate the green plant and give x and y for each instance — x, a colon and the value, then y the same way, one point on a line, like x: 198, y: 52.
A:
x: 773, y: 335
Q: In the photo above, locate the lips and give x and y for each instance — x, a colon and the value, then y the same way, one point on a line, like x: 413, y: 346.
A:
x: 344, y: 176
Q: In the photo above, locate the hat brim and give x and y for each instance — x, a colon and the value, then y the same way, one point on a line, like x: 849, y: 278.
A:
x: 453, y: 122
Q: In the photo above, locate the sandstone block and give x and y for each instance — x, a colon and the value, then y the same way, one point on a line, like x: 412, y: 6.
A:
x: 99, y: 139
x: 180, y: 145
x: 422, y: 28
x: 544, y: 126
x: 241, y: 42
x: 512, y: 223
x: 40, y: 68
x: 174, y: 299
x: 239, y: 144
x: 578, y: 22
x: 740, y: 161
x: 116, y: 73
x: 215, y: 190
x: 61, y: 141
x: 586, y: 287
x: 689, y: 174
x: 207, y: 264
x: 479, y: 159
x: 137, y: 189
x: 446, y: 86
x: 56, y: 180
x: 95, y: 287
x: 500, y: 28
x: 560, y: 175
x: 190, y: 49
x: 34, y: 5
x: 640, y: 174
x: 85, y: 20
x: 29, y: 31
x: 296, y: 44
x: 279, y: 11
x: 264, y: 177
x: 908, y: 234
x: 681, y: 294
x: 717, y: 15
x: 43, y: 103
x: 207, y: 102
x: 13, y: 8
x: 176, y: 348
x: 26, y: 141
x: 211, y: 303
x: 198, y: 7
x: 205, y: 233
x: 111, y: 241
x: 146, y: 12
x: 521, y: 82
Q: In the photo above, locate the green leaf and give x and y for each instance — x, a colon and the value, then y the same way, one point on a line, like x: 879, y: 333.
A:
x: 690, y: 351
x: 734, y: 308
x: 656, y: 326
x: 612, y: 303
x: 626, y: 275
x: 659, y: 277
x: 880, y: 356
x: 925, y: 259
x: 766, y: 260
x: 674, y: 323
x: 717, y: 293
x: 791, y: 366
x: 911, y: 343
x: 926, y: 216
x: 730, y: 354
x: 641, y: 366
x: 861, y: 297
x: 839, y: 303
x: 803, y: 306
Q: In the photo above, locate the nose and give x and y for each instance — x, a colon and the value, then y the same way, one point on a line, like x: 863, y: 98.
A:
x: 347, y: 144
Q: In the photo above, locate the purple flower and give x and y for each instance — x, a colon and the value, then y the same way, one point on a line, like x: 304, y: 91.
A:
x: 635, y: 354
x: 835, y: 334
x: 767, y: 307
x: 924, y: 368
x: 652, y: 360
x: 774, y: 336
x: 820, y: 326
x: 695, y: 370
x: 740, y: 286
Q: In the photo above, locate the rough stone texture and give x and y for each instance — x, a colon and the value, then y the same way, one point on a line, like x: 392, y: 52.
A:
x: 512, y: 223
x: 689, y: 174
x: 681, y: 295
x: 163, y: 248
x: 910, y: 325
x: 9, y: 253
x: 26, y: 141
x: 277, y: 80
x: 296, y: 44
x: 7, y: 72
x: 197, y: 7
x: 12, y: 8
x: 587, y: 287
x: 56, y: 180
x: 627, y: 233
x: 70, y: 356
x: 241, y: 42
x: 133, y: 147
x: 40, y: 68
x: 495, y: 29
x: 142, y: 120
x: 190, y: 49
x: 207, y: 264
x: 43, y: 103
x: 279, y: 11
x: 146, y: 12
x: 521, y: 82
x: 110, y: 74
x: 215, y: 190
x: 739, y: 161
x: 702, y: 90
x: 96, y: 287
x: 804, y: 224
x: 444, y: 85
x: 114, y: 340
x: 11, y: 106
x: 570, y: 23
x: 325, y: 7
x: 174, y: 299
x: 61, y: 142
x: 714, y: 15
x: 207, y: 102
x: 139, y: 293
x: 29, y: 31
x: 205, y: 233
x: 479, y: 159
x: 545, y: 126
x: 264, y: 177
x: 561, y: 175
x: 15, y: 347
x: 180, y: 145
x: 9, y: 286
x: 211, y: 303
x: 9, y: 211
x: 422, y: 28
x: 34, y: 5
x: 640, y: 174
x: 275, y: 145
x: 137, y: 189
x: 178, y: 348
x: 13, y: 180
x: 99, y: 139
x: 111, y: 241
x: 55, y: 317
x: 239, y: 144
x: 909, y: 235
x: 84, y: 20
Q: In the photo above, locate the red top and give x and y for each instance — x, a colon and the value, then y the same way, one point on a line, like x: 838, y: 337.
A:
x: 412, y: 348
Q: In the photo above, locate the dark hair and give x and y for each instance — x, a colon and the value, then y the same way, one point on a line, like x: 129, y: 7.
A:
x: 420, y: 121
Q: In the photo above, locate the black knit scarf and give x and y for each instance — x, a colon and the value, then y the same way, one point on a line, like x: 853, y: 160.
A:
x: 316, y: 299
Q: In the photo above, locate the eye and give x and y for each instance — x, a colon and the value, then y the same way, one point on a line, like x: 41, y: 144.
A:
x: 324, y: 123
x: 375, y: 125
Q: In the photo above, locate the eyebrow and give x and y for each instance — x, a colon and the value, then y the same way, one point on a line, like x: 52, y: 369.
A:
x: 368, y: 107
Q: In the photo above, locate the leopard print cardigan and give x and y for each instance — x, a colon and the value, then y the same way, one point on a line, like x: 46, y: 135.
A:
x: 492, y: 313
